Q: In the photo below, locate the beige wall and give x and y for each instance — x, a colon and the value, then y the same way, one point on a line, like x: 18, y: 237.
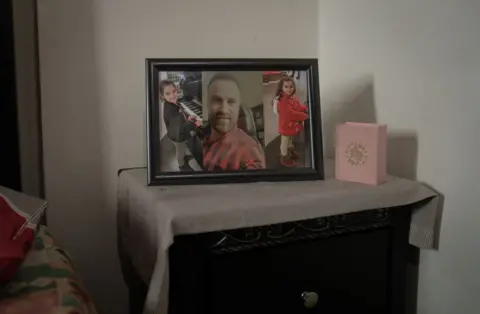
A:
x: 414, y: 65
x: 92, y: 58
x: 411, y: 64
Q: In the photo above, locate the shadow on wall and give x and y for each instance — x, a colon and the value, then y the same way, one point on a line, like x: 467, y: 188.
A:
x: 74, y: 150
x: 360, y: 107
x: 402, y: 154
x: 401, y: 157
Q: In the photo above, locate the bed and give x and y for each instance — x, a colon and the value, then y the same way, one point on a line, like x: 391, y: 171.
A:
x: 47, y: 283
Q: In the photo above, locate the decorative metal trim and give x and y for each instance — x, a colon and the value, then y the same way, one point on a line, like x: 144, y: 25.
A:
x: 270, y: 235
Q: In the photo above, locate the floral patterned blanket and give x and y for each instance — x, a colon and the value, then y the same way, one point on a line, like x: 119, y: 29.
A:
x: 47, y: 283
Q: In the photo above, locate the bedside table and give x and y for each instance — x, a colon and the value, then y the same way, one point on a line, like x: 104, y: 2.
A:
x: 287, y: 247
x: 352, y: 263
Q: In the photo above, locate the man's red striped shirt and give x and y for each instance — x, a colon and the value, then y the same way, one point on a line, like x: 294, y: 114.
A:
x: 235, y: 150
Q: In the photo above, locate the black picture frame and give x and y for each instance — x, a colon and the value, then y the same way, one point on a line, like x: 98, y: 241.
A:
x: 156, y: 65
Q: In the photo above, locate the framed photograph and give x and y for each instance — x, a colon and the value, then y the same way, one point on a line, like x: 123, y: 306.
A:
x: 233, y: 120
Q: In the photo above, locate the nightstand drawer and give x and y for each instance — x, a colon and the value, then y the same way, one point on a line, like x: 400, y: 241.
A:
x: 352, y: 263
x: 331, y: 275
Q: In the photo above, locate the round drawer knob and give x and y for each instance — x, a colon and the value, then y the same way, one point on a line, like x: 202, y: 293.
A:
x: 310, y: 299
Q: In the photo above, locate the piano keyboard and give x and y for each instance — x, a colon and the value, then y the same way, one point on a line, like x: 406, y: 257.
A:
x: 192, y: 108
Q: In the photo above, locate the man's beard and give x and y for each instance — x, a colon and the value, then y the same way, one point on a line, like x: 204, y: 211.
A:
x: 222, y: 123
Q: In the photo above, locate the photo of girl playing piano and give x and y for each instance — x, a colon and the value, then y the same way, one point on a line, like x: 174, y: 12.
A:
x: 180, y: 119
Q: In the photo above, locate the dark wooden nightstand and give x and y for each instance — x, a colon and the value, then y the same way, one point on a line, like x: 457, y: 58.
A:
x: 352, y: 263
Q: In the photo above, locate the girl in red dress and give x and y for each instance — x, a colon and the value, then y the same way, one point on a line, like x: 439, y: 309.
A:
x: 291, y: 114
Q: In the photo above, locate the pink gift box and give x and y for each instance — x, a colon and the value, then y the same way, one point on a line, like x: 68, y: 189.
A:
x: 361, y: 152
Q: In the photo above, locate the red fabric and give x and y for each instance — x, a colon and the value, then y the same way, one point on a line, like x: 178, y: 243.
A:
x: 235, y: 150
x: 12, y: 252
x: 291, y: 113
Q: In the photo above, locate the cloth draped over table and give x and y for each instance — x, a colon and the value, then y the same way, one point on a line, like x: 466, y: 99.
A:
x: 150, y: 217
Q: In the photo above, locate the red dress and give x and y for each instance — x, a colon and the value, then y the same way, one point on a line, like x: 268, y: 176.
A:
x: 291, y: 114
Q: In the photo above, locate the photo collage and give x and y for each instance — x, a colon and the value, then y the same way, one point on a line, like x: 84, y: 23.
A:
x: 233, y: 121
